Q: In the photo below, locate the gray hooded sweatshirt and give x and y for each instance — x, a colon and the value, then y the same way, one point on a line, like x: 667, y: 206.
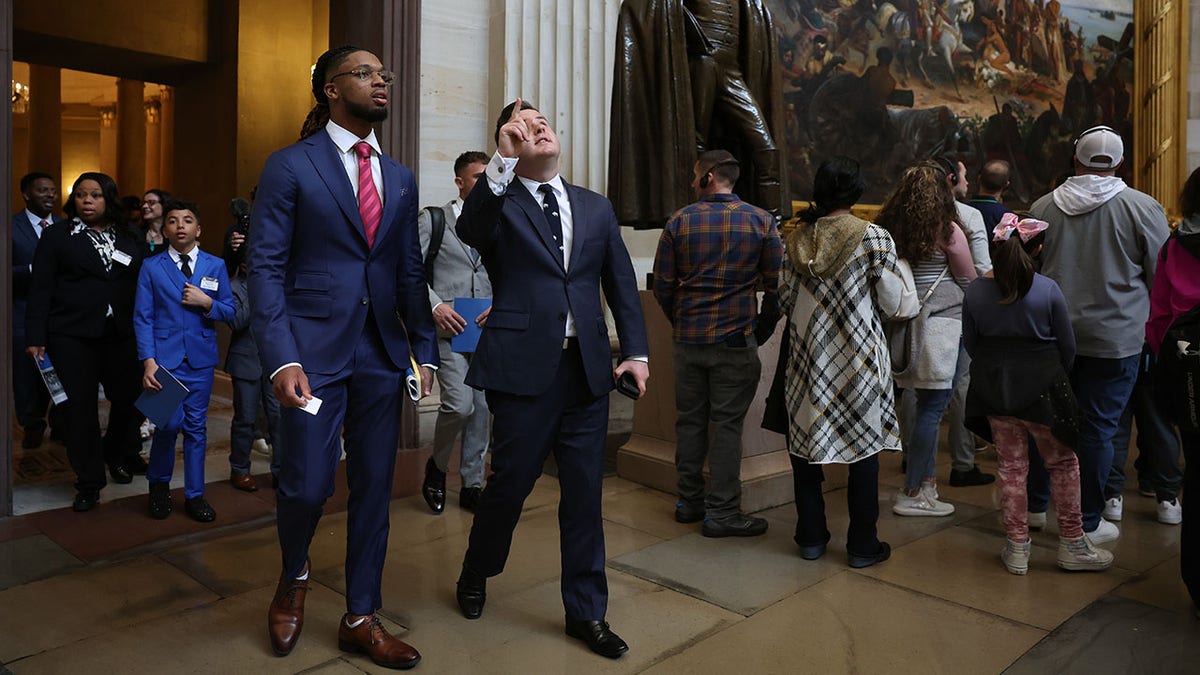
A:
x: 1101, y: 248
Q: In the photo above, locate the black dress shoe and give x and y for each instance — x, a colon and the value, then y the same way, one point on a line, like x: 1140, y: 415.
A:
x: 434, y: 487
x: 598, y: 636
x: 468, y: 498
x: 160, y: 500
x: 85, y: 500
x: 686, y: 513
x: 120, y: 474
x: 972, y: 476
x: 737, y: 525
x: 812, y: 552
x: 200, y: 510
x: 860, y: 561
x: 136, y: 465
x: 471, y: 593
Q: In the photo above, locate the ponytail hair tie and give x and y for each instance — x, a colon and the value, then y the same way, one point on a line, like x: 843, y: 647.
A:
x: 1027, y: 228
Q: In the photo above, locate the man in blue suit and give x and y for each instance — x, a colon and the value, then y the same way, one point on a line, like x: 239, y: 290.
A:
x: 29, y: 393
x: 179, y: 298
x: 336, y: 277
x: 545, y: 362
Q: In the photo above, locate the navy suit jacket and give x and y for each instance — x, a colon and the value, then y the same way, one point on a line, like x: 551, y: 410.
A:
x: 313, y: 279
x: 166, y: 329
x: 532, y: 292
x: 24, y: 243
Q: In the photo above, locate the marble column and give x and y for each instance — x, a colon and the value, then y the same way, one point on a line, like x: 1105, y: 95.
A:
x: 131, y: 137
x: 45, y: 121
x: 108, y: 140
x: 166, y: 171
x: 1160, y: 84
x: 153, y: 160
x: 559, y: 54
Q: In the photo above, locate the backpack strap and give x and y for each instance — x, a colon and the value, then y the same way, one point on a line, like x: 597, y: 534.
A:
x: 437, y: 221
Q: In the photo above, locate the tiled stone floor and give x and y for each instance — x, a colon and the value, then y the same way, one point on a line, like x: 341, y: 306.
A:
x: 113, y: 591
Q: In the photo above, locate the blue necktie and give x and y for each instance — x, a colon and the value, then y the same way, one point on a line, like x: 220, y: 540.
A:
x: 550, y: 208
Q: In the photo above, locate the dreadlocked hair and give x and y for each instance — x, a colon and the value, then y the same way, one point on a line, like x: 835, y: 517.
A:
x: 318, y: 117
x: 920, y: 212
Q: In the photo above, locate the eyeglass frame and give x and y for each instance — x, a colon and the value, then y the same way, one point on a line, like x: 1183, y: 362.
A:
x: 366, y: 75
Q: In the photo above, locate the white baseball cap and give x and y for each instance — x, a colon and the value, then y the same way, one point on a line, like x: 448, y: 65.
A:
x: 1099, y: 148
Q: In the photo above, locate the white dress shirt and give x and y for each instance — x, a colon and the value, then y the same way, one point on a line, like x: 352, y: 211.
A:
x: 345, y: 142
x: 34, y: 219
x: 177, y: 258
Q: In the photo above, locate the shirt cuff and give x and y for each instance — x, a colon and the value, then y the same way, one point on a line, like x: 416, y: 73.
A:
x: 639, y: 357
x: 286, y: 365
x: 499, y: 173
x: 429, y: 366
x: 436, y: 306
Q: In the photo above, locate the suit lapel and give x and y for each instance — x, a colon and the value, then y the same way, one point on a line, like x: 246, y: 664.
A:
x: 392, y: 196
x: 170, y: 272
x: 518, y: 194
x: 24, y: 229
x: 85, y: 248
x: 451, y: 221
x: 578, y: 220
x: 324, y: 156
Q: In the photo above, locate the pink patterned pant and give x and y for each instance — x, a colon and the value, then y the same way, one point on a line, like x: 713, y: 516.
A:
x: 1010, y: 436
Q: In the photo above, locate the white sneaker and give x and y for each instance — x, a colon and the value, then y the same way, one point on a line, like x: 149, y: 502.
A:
x: 1036, y: 520
x: 261, y: 446
x: 1104, y: 533
x: 921, y: 504
x: 1082, y: 556
x: 1113, y: 508
x: 1015, y: 557
x: 1170, y: 513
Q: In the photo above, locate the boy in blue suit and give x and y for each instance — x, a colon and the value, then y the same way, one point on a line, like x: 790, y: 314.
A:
x: 180, y: 296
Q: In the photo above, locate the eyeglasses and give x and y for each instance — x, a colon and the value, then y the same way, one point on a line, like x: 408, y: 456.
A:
x: 365, y: 75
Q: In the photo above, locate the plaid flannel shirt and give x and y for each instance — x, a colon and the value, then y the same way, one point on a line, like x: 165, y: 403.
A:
x: 712, y: 257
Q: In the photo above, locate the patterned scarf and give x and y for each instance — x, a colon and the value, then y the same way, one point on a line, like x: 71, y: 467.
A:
x: 105, y: 242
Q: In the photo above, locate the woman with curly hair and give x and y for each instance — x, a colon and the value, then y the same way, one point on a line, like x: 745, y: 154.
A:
x: 922, y: 219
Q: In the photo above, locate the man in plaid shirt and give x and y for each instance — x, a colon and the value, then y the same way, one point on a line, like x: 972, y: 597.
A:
x: 712, y: 258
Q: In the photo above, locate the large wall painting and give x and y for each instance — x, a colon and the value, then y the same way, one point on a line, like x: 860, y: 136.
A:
x: 892, y: 83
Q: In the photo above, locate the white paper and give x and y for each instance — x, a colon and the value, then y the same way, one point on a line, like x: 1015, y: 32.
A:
x: 209, y: 284
x: 122, y: 257
x: 313, y: 406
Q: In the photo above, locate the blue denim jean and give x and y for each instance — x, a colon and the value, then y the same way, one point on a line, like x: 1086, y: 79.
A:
x: 1102, y: 389
x: 921, y: 440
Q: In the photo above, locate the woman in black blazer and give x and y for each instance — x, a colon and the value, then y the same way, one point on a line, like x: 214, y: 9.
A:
x: 80, y: 313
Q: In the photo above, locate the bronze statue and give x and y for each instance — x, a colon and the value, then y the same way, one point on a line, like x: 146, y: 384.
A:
x: 690, y: 76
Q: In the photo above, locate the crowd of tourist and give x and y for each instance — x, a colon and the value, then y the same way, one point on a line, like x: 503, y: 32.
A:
x: 1045, y: 333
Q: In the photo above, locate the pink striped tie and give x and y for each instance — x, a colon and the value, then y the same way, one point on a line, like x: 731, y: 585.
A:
x: 369, y: 206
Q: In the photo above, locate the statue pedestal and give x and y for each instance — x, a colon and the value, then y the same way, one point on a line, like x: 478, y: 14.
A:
x: 649, y: 455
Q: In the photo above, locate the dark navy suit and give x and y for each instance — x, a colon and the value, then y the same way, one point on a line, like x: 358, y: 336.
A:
x: 29, y: 393
x: 547, y: 394
x: 182, y: 340
x: 323, y: 298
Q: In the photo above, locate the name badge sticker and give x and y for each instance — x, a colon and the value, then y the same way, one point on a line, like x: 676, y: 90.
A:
x: 209, y: 284
x: 122, y: 257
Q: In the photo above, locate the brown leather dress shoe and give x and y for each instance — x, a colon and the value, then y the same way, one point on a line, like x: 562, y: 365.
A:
x: 243, y: 481
x: 285, y: 618
x: 370, y: 638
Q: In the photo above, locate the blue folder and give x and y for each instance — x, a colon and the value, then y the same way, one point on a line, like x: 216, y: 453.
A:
x: 160, y: 406
x: 469, y: 308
